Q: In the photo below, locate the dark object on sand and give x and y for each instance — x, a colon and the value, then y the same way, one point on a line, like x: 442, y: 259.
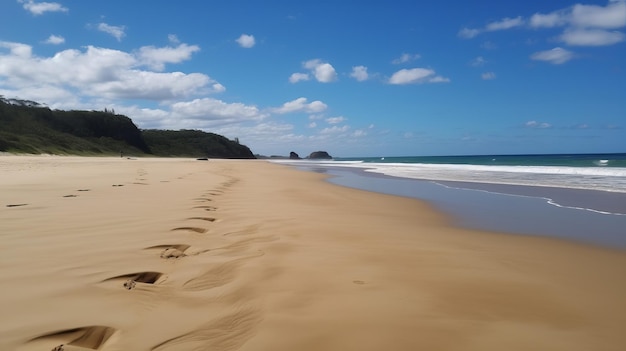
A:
x: 202, y: 159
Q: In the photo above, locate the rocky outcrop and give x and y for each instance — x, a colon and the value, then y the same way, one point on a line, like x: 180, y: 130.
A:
x: 320, y: 155
x: 294, y: 156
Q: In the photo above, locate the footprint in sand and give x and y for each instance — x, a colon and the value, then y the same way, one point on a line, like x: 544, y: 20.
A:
x: 116, y: 185
x: 131, y: 280
x: 91, y: 337
x: 83, y: 190
x: 70, y: 195
x: 207, y: 208
x: 16, y: 205
x: 171, y: 251
x: 190, y: 229
x: 208, y: 219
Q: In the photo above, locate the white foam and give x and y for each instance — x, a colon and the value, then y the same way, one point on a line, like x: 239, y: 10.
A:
x: 593, y: 178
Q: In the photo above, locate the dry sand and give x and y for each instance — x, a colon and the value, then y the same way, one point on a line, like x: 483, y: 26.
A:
x: 155, y: 254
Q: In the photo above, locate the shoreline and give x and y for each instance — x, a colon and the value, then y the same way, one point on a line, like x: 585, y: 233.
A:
x: 250, y: 255
x: 586, y: 216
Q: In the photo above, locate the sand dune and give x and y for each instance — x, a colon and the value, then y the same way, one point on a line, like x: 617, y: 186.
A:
x: 173, y: 254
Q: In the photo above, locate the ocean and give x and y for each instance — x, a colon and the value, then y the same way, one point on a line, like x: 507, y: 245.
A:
x: 579, y: 197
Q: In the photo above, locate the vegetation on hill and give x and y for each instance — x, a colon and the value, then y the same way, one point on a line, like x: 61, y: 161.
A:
x: 28, y: 127
x: 193, y: 143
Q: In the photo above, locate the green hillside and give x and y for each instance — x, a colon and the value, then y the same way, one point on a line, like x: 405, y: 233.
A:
x: 28, y: 127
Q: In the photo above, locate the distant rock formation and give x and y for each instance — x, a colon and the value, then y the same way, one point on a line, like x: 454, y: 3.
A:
x: 294, y: 156
x: 320, y: 155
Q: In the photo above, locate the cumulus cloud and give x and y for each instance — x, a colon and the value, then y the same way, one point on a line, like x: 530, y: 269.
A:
x: 246, y: 41
x: 156, y: 58
x: 503, y: 24
x: 537, y: 125
x: 301, y: 105
x: 468, y: 33
x: 296, y: 77
x: 591, y: 37
x: 96, y: 73
x: 506, y: 23
x: 416, y: 75
x: 55, y: 40
x: 488, y: 76
x: 404, y: 58
x: 586, y: 25
x: 478, y: 61
x: 555, y: 56
x: 335, y: 129
x: 323, y: 72
x: 359, y: 73
x: 359, y: 133
x: 613, y: 15
x: 116, y: 31
x: 335, y: 120
x: 216, y: 110
x: 39, y: 8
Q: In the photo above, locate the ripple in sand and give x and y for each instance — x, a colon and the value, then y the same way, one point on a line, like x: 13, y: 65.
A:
x: 91, y: 337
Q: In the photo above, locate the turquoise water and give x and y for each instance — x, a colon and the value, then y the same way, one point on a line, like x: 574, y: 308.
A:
x: 556, y: 160
x: 605, y: 172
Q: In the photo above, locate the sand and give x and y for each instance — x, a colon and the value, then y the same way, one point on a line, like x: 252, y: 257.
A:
x: 174, y: 254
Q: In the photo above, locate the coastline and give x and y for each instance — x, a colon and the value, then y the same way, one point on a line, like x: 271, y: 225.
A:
x: 587, y: 216
x: 274, y: 257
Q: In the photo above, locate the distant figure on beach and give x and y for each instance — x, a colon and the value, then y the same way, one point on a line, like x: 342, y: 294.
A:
x: 121, y: 154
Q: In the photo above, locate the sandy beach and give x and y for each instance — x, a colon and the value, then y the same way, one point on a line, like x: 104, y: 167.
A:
x: 178, y: 254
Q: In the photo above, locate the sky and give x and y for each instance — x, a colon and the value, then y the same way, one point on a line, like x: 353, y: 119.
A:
x: 353, y: 78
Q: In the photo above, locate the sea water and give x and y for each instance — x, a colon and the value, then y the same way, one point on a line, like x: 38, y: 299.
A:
x: 578, y: 197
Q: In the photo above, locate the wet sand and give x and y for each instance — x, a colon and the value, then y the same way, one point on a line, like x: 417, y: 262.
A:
x: 173, y: 254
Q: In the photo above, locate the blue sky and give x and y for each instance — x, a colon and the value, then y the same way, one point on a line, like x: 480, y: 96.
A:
x: 354, y: 78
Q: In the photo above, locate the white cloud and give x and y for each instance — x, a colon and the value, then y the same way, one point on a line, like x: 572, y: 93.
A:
x: 586, y: 25
x: 468, y: 33
x: 555, y: 56
x: 323, y: 72
x: 359, y: 73
x: 116, y: 31
x: 503, y: 24
x: 296, y: 77
x: 438, y: 79
x: 96, y: 73
x: 312, y: 125
x: 17, y: 49
x: 416, y: 75
x: 488, y: 76
x: 335, y: 120
x: 156, y: 58
x: 246, y: 41
x: 611, y: 16
x: 506, y: 23
x: 359, y: 133
x: 478, y: 61
x: 216, y: 111
x: 591, y: 37
x: 55, y: 40
x: 537, y: 125
x: 550, y: 20
x: 172, y: 38
x: 404, y: 58
x: 335, y: 129
x: 301, y: 105
x: 39, y: 8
